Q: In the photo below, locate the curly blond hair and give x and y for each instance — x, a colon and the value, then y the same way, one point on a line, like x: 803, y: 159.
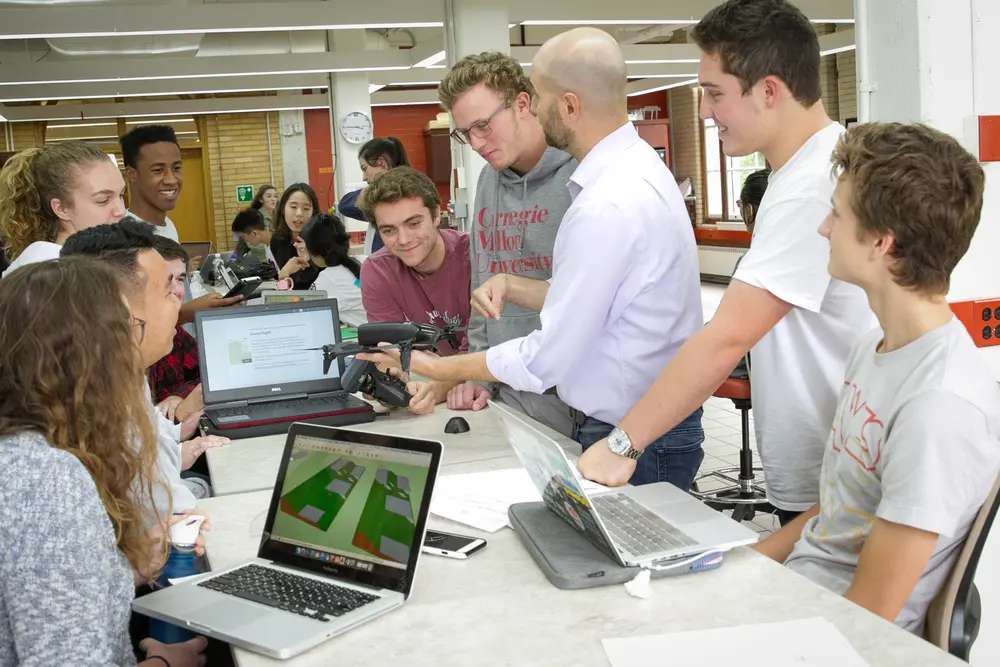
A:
x: 497, y: 71
x: 68, y: 355
x: 30, y: 181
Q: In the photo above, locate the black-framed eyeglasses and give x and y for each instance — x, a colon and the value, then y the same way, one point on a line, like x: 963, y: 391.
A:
x: 136, y: 322
x: 479, y: 130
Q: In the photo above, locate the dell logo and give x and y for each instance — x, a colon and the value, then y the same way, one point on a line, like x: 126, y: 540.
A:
x: 273, y: 389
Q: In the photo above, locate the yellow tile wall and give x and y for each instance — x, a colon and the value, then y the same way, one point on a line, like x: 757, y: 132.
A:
x: 829, y: 82
x: 686, y: 128
x: 27, y: 135
x: 847, y: 84
x: 237, y: 149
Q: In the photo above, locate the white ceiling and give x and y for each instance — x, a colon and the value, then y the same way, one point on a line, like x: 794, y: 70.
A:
x: 84, y: 56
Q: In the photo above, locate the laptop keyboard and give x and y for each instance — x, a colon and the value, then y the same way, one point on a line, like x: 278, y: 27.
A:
x: 289, y: 592
x: 636, y: 528
x: 291, y: 410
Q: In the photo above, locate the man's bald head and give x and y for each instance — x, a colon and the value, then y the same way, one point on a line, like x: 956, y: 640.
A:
x: 587, y: 62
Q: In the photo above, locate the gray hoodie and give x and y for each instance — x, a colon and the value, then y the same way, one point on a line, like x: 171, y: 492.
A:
x: 514, y: 226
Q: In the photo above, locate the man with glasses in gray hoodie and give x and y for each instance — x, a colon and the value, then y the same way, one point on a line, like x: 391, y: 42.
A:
x: 520, y: 201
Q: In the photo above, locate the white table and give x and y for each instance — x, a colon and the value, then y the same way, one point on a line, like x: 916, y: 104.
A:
x: 498, y: 609
x: 252, y: 464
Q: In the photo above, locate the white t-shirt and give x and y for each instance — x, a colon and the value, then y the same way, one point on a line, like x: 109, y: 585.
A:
x: 339, y: 283
x: 915, y: 441
x: 797, y: 368
x: 168, y: 230
x: 39, y: 251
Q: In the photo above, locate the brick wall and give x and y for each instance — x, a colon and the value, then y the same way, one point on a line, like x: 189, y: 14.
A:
x: 847, y: 85
x: 686, y: 127
x: 829, y: 82
x: 27, y: 135
x: 237, y: 150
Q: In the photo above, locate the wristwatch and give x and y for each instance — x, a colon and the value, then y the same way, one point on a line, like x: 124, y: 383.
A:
x: 619, y: 443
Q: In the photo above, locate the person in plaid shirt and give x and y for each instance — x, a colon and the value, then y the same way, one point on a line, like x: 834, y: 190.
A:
x: 175, y: 380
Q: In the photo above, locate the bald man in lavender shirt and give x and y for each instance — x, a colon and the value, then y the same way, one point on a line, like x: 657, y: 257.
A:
x: 625, y: 288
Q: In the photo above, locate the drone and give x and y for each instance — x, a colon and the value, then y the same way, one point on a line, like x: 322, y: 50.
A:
x: 364, y: 376
x: 404, y: 336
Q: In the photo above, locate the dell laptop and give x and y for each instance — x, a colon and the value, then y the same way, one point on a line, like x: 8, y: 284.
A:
x: 262, y: 369
x: 634, y: 525
x: 340, y: 546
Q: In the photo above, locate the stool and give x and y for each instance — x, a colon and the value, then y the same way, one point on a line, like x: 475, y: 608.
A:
x: 744, y: 494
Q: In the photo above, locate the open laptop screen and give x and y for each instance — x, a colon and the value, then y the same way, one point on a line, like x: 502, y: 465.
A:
x: 267, y: 351
x: 343, y: 501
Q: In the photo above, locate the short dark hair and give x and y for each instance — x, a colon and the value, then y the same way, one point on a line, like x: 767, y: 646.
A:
x: 133, y: 141
x: 754, y: 186
x: 170, y: 249
x: 281, y: 230
x: 325, y: 236
x: 248, y: 220
x: 760, y: 38
x: 389, y: 148
x: 118, y: 244
x: 396, y: 184
x: 919, y: 185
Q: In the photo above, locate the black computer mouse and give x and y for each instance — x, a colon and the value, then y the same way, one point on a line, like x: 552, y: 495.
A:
x: 456, y: 425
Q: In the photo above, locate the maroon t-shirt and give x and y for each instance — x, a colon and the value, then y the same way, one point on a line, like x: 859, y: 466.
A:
x: 393, y: 292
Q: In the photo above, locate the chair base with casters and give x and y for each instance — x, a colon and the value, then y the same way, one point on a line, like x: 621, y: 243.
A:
x: 744, y: 491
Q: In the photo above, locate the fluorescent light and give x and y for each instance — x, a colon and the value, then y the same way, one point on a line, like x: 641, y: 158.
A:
x: 63, y: 127
x: 402, y: 104
x: 184, y: 92
x: 416, y: 83
x: 610, y: 22
x: 372, y: 87
x: 842, y: 49
x: 262, y: 109
x: 681, y: 61
x: 3, y: 119
x: 213, y: 75
x: 657, y: 89
x: 208, y: 31
x: 431, y: 60
x: 663, y: 76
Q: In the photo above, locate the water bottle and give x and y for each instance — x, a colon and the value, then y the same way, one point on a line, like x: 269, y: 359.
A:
x: 197, y: 286
x: 180, y: 563
x: 218, y: 267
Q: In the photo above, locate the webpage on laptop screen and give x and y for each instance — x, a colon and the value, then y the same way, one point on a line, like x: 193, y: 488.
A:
x: 268, y: 349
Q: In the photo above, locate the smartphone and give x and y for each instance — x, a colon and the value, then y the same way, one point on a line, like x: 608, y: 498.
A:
x: 244, y: 286
x: 451, y: 545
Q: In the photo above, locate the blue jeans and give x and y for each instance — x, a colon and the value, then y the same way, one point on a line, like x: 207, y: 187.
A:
x: 674, y: 457
x: 179, y: 564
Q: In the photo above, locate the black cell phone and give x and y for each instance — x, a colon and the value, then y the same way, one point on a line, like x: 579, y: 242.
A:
x: 244, y: 286
x: 451, y: 545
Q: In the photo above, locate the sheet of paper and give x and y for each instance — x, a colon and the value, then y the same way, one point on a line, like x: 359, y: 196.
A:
x: 481, y: 499
x: 810, y: 642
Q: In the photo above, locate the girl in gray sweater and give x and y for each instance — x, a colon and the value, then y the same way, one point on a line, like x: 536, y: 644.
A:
x: 76, y: 446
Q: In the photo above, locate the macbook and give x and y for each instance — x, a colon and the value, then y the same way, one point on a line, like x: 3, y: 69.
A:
x: 340, y: 546
x: 634, y: 525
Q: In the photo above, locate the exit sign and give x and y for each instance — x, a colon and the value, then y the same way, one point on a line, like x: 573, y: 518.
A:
x: 244, y: 194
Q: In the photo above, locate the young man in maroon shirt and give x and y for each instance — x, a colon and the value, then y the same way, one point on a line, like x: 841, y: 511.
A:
x: 422, y: 273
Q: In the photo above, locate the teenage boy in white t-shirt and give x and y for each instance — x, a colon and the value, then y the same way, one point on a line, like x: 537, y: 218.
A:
x: 760, y: 75
x: 915, y: 444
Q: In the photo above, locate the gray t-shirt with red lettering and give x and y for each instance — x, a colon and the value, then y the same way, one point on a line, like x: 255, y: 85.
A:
x: 393, y: 292
x: 915, y: 441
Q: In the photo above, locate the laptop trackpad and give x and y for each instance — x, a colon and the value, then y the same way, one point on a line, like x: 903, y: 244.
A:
x: 229, y: 615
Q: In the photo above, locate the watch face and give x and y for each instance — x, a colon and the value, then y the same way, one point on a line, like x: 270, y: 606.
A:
x: 617, y: 444
x: 356, y: 127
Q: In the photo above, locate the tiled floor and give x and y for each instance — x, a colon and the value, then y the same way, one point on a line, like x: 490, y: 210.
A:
x: 721, y: 422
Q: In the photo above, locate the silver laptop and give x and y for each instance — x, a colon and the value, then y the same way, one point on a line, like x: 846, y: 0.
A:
x: 634, y: 525
x: 340, y: 546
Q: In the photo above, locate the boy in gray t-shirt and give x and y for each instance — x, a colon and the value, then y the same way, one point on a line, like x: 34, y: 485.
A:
x: 915, y: 444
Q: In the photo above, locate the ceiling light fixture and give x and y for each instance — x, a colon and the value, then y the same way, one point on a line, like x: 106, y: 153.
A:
x: 208, y: 31
x: 842, y: 49
x: 215, y: 75
x: 657, y: 89
x: 403, y: 104
x: 134, y: 95
x: 372, y: 87
x: 431, y: 60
